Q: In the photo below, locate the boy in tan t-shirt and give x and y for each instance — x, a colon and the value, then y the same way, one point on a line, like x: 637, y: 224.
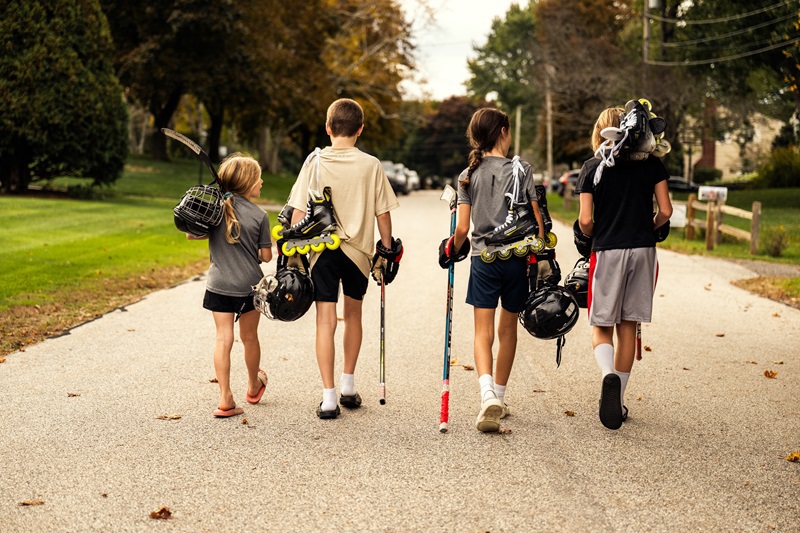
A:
x: 361, y: 193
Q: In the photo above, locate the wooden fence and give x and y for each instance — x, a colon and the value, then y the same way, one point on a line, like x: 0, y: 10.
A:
x: 714, y: 225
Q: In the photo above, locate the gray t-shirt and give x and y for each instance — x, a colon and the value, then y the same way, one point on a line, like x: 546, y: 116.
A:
x: 235, y: 267
x: 486, y: 194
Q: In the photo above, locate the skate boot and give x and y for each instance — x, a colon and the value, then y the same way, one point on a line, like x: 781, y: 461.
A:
x: 550, y: 238
x: 314, y: 233
x: 517, y: 235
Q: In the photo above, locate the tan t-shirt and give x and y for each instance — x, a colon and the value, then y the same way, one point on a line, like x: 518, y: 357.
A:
x: 360, y: 191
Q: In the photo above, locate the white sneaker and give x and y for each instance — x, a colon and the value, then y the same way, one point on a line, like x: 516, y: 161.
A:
x: 489, y: 417
x: 506, y: 411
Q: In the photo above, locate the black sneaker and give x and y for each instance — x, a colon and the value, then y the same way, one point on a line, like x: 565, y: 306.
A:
x: 610, y: 405
x: 328, y: 415
x: 351, y: 402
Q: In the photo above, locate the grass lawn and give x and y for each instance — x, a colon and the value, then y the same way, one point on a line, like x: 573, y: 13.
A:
x: 64, y: 260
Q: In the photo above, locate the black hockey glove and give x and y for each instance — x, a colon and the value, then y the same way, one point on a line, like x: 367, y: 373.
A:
x: 448, y: 255
x: 662, y: 232
x: 386, y: 261
x: 583, y: 242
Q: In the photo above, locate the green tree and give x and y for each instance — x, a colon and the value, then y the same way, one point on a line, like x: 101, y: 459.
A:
x: 61, y: 108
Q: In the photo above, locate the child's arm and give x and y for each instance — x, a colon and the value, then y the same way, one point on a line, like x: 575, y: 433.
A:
x: 265, y: 254
x: 664, y: 205
x: 385, y: 228
x: 462, y: 225
x: 539, y: 220
x: 585, y: 217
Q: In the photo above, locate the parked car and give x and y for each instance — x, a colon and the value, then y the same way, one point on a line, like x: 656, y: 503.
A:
x: 399, y: 180
x: 681, y: 184
x: 567, y: 181
x: 412, y: 177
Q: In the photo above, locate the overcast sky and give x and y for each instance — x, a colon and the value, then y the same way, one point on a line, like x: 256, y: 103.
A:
x: 444, y: 47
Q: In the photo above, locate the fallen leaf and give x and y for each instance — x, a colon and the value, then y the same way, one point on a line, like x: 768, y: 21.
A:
x: 685, y: 368
x: 468, y: 367
x: 777, y: 362
x: 751, y: 362
x: 104, y: 495
x: 161, y: 514
x: 72, y: 394
x: 770, y: 374
x: 776, y: 315
x: 707, y: 287
x: 169, y: 417
x: 503, y: 431
x: 213, y: 380
x: 569, y: 413
x: 639, y: 398
x: 539, y: 390
x: 720, y: 334
x: 339, y: 318
x: 647, y: 348
x: 454, y: 362
x: 793, y: 457
x: 244, y: 421
x: 2, y: 359
x: 31, y: 502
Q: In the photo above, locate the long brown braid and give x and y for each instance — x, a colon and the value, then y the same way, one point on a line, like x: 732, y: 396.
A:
x: 483, y: 132
x: 238, y: 174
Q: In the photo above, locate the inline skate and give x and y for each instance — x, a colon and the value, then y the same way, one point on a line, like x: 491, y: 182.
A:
x: 314, y: 233
x: 550, y: 239
x: 517, y: 235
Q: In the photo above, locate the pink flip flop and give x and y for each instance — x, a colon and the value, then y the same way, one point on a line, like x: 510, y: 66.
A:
x: 225, y: 413
x: 262, y: 377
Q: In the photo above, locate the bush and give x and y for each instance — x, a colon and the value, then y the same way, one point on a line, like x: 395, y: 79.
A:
x: 781, y: 169
x: 774, y: 241
x: 707, y: 174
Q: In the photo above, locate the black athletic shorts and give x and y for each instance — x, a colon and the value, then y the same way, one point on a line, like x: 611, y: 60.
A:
x: 228, y: 304
x: 332, y: 267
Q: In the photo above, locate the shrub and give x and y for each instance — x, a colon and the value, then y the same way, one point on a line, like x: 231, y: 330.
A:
x: 774, y: 241
x: 707, y: 174
x: 781, y: 169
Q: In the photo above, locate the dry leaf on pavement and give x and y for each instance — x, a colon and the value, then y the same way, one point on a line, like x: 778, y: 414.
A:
x: 793, y: 457
x: 569, y: 413
x: 770, y: 374
x: 31, y: 502
x: 161, y: 514
x: 72, y: 394
x: 468, y: 367
x: 169, y: 417
x: 454, y: 362
x: 720, y: 334
x: 2, y: 359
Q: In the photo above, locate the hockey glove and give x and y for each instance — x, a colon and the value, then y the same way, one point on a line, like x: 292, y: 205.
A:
x: 662, y: 232
x: 583, y: 242
x: 386, y: 261
x: 448, y: 255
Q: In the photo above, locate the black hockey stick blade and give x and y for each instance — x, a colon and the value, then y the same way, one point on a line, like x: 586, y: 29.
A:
x: 194, y: 147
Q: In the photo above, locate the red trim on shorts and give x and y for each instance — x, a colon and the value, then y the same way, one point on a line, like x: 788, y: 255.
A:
x: 592, y: 265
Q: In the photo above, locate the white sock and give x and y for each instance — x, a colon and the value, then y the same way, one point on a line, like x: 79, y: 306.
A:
x: 604, y: 354
x: 500, y: 390
x: 329, y: 400
x: 347, y: 385
x: 623, y: 378
x: 487, y: 385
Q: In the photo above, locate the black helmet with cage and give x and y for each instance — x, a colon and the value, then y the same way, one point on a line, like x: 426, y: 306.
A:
x: 550, y: 312
x: 577, y: 281
x: 287, y: 295
x: 199, y: 210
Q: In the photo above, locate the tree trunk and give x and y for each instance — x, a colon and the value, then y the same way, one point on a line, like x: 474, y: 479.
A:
x: 268, y: 149
x: 15, y: 174
x: 162, y: 117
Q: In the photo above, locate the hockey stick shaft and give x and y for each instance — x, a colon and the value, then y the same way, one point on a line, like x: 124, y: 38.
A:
x: 638, y: 341
x: 383, y: 343
x: 444, y: 412
x: 194, y: 147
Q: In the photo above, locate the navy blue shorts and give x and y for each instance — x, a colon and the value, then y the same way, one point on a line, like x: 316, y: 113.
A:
x: 220, y: 303
x: 332, y: 267
x: 503, y: 280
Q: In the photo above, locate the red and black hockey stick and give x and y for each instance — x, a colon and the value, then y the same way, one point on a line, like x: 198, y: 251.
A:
x: 450, y: 196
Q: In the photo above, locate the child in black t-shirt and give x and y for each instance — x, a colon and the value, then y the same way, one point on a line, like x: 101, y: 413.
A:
x: 617, y: 212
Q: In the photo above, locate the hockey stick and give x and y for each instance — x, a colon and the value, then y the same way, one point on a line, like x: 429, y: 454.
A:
x: 638, y: 341
x: 194, y: 147
x: 383, y: 344
x: 449, y: 195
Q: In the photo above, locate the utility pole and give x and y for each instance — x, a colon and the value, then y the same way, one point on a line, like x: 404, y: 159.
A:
x: 517, y: 129
x: 548, y: 102
x: 645, y: 42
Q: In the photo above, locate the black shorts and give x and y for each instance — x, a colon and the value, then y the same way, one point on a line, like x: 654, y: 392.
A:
x: 332, y: 267
x: 220, y: 303
x: 503, y: 280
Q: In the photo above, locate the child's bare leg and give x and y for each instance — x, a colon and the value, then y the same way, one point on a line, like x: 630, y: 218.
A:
x: 248, y: 332
x: 222, y: 358
x: 626, y: 346
x: 326, y: 327
x: 484, y: 339
x: 507, y: 349
x: 353, y: 333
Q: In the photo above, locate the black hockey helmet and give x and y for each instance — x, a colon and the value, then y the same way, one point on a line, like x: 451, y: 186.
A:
x: 199, y: 210
x: 285, y: 296
x: 577, y: 282
x: 550, y: 312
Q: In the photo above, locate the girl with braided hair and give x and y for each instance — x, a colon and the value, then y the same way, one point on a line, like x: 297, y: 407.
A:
x: 237, y: 248
x: 482, y: 200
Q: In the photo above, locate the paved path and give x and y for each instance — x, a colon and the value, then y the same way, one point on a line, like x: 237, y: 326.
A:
x: 704, y: 447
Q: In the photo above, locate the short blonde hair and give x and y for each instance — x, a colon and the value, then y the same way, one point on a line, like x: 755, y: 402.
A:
x: 609, y: 117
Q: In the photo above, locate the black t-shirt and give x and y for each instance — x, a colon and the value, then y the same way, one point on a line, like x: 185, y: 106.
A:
x: 623, y: 202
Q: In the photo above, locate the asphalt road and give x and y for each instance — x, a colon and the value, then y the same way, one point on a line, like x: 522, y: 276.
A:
x: 704, y: 448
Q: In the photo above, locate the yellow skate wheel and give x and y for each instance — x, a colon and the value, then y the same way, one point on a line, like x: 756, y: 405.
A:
x: 277, y: 230
x: 505, y: 254
x: 318, y: 247
x: 303, y: 250
x: 287, y: 251
x: 552, y: 240
x: 335, y: 244
x: 520, y: 250
x: 537, y: 246
x: 487, y: 257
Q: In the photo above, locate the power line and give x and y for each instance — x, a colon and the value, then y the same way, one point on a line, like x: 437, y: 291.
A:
x: 725, y: 35
x: 718, y: 20
x: 721, y: 59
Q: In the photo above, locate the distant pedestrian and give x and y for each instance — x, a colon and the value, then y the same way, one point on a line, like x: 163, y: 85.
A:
x: 237, y: 247
x: 361, y: 194
x: 493, y: 191
x: 617, y: 229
